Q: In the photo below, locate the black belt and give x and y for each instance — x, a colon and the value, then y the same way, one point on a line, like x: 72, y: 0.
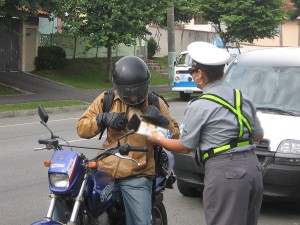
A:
x: 216, y: 151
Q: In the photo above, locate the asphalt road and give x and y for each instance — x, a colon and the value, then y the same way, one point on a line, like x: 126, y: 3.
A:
x: 24, y: 185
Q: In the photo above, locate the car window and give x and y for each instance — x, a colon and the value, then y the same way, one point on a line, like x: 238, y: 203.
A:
x: 289, y: 95
x: 184, y: 60
x: 266, y: 86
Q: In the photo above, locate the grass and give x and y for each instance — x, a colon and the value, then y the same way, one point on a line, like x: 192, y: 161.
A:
x: 79, y: 73
x: 163, y: 61
x: 88, y: 74
x: 6, y: 90
x: 170, y: 95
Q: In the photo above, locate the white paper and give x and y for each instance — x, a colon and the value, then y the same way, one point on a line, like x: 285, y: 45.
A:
x: 147, y: 128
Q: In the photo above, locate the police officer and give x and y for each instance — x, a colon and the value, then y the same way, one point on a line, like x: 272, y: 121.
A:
x: 131, y: 79
x: 223, y: 124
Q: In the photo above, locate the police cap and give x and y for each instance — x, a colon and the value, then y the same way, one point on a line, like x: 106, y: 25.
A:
x: 207, y: 56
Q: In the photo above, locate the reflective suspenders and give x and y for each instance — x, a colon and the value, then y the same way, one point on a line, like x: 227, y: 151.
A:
x: 242, y: 121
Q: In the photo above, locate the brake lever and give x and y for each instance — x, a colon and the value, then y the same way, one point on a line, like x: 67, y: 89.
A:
x: 39, y: 149
x: 127, y: 158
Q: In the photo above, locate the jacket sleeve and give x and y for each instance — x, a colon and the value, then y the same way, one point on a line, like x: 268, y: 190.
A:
x: 87, y: 126
x: 173, y: 125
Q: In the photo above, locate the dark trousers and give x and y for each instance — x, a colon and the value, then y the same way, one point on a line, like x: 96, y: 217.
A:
x: 233, y: 189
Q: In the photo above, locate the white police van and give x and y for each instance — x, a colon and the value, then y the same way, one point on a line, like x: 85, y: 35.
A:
x: 183, y: 81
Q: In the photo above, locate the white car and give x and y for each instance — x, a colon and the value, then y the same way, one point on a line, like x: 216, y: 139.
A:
x: 271, y: 79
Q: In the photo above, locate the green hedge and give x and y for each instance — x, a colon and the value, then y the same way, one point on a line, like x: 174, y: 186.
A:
x: 50, y: 57
x: 152, y: 48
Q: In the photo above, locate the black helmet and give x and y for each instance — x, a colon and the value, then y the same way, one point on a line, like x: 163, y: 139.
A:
x: 131, y: 78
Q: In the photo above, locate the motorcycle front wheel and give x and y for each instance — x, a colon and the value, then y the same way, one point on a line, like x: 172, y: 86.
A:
x: 159, y: 214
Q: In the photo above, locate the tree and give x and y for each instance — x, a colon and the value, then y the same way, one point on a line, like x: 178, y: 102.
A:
x: 22, y: 9
x: 293, y: 8
x: 109, y: 23
x: 243, y: 20
x: 152, y: 48
x: 185, y: 11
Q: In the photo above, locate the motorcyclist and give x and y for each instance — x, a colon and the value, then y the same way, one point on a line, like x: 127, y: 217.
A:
x: 131, y: 79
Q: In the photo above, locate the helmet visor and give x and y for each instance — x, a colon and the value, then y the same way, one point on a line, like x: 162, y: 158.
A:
x: 133, y: 94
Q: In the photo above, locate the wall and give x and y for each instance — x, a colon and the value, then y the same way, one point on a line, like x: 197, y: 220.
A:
x: 288, y: 35
x: 75, y: 47
x: 182, y: 39
x: 29, y: 43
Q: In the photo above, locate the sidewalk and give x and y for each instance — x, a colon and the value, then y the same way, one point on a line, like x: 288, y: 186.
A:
x: 37, y: 89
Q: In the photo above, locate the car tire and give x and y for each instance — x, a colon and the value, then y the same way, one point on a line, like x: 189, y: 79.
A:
x: 185, y: 96
x: 187, y: 190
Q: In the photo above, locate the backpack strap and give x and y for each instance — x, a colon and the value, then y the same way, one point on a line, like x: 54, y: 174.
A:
x: 107, y: 103
x: 153, y: 99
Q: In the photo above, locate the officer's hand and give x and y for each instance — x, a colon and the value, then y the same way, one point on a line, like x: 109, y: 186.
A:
x: 115, y: 120
x: 154, y: 116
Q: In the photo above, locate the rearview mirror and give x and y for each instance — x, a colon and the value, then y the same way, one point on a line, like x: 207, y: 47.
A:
x: 43, y: 114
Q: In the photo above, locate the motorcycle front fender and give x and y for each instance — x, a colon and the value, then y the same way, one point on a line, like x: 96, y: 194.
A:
x: 45, y: 222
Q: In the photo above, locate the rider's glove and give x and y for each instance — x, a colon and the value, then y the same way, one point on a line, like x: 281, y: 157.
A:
x: 115, y: 120
x: 154, y: 116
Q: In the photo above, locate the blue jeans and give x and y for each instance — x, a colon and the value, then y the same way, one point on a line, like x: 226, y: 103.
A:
x: 137, y: 196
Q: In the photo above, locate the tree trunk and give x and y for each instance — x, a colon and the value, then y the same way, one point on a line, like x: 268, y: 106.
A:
x: 109, y: 64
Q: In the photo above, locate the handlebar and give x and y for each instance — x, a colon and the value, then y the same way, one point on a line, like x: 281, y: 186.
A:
x: 138, y: 149
x: 43, y: 141
x: 50, y: 143
x: 119, y: 151
x: 124, y: 149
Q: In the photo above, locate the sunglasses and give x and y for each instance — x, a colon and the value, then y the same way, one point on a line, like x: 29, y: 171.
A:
x: 192, y: 70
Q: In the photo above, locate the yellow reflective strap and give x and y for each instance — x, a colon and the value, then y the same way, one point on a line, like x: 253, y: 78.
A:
x: 238, y: 111
x: 243, y: 143
x: 217, y: 99
x: 241, y: 117
x: 222, y: 148
x: 204, y: 157
x: 225, y: 148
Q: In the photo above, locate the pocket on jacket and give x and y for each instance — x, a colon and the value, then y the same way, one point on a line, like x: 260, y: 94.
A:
x: 234, y: 172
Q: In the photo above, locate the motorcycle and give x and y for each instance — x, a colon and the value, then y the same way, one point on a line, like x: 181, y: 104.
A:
x: 82, y: 194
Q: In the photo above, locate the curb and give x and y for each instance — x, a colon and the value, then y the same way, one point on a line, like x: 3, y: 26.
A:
x: 31, y: 112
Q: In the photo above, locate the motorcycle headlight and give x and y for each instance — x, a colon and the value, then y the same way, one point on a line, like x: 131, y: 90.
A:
x: 59, y: 180
x: 288, y: 153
